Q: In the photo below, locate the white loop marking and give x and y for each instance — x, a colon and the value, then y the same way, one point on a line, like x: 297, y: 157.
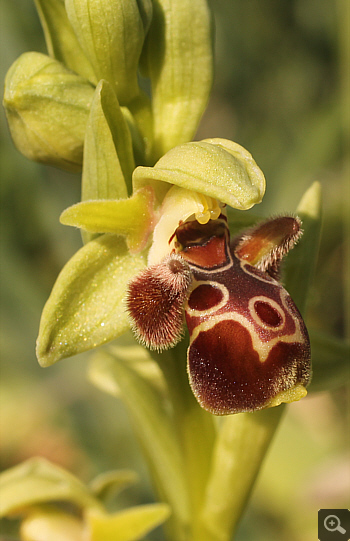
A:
x: 225, y: 297
x: 273, y: 304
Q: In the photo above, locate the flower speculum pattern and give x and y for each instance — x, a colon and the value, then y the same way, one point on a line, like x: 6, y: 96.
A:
x: 249, y: 347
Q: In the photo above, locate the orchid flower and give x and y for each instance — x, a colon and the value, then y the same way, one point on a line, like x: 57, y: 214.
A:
x: 156, y: 215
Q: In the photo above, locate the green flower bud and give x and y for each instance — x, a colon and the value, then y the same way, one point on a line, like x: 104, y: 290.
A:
x: 178, y: 59
x: 61, y: 41
x: 47, y: 107
x: 112, y: 34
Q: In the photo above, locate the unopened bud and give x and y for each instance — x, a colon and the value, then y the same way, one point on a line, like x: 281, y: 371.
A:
x: 47, y: 107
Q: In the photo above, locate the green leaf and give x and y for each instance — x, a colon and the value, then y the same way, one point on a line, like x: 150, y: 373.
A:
x: 61, y: 40
x: 154, y: 428
x: 47, y: 108
x: 239, y: 221
x: 217, y: 168
x: 301, y: 261
x: 108, y: 155
x: 111, y: 482
x: 37, y: 481
x: 330, y: 359
x: 240, y: 448
x: 178, y: 59
x: 112, y: 34
x: 129, y: 525
x: 139, y: 360
x: 85, y: 308
x: 133, y: 217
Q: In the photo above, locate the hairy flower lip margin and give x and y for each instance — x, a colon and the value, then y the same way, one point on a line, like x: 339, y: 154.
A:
x: 249, y: 347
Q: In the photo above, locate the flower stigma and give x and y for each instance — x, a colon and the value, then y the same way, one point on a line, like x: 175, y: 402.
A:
x: 179, y: 206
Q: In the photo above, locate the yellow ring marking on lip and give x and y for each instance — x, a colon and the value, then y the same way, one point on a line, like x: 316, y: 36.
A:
x: 198, y: 313
x: 274, y: 305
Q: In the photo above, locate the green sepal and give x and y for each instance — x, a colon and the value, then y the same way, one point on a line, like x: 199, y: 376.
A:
x: 178, y: 59
x: 128, y: 525
x: 133, y: 217
x: 111, y: 483
x: 108, y: 154
x: 217, y: 168
x: 38, y: 481
x: 112, y: 34
x: 47, y: 108
x: 60, y: 38
x: 85, y: 308
x: 154, y: 427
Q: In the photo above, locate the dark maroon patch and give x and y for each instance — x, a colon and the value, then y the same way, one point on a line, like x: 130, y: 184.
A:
x: 204, y: 297
x: 211, y: 255
x: 267, y: 313
x: 196, y: 234
x: 227, y: 376
x: 204, y: 245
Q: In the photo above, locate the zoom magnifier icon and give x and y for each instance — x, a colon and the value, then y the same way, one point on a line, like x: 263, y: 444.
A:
x: 332, y: 524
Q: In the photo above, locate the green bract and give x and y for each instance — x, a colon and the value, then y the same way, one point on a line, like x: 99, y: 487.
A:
x: 108, y: 154
x: 36, y: 481
x: 128, y: 525
x: 85, y: 308
x: 47, y: 108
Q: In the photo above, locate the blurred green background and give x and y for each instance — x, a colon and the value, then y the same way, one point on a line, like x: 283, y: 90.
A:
x: 282, y: 91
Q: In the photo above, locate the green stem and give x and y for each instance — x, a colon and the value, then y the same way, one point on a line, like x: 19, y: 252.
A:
x: 240, y: 448
x: 220, y: 467
x: 196, y: 432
